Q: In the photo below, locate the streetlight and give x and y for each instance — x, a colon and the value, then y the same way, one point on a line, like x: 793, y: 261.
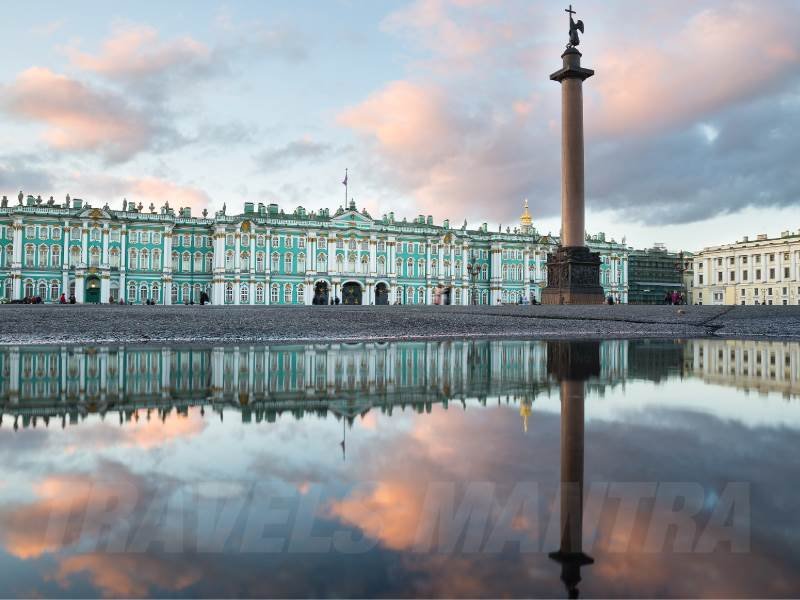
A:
x: 473, y: 270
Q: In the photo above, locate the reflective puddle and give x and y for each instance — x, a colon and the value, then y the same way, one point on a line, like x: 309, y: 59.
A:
x: 454, y: 468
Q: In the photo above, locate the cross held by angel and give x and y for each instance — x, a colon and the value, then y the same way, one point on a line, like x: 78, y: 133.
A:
x: 574, y: 28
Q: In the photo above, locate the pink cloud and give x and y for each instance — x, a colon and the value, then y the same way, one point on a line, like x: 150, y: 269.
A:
x: 717, y: 58
x: 76, y: 116
x: 101, y: 188
x: 134, y: 52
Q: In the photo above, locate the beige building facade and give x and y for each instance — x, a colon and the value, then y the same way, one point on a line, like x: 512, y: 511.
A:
x: 764, y: 270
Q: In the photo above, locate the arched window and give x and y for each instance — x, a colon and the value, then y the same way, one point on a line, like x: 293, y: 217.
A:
x: 186, y: 262
x: 399, y: 266
x: 420, y: 268
x: 273, y: 293
x: 339, y: 263
x: 301, y: 262
x: 156, y: 260
x: 229, y: 260
x: 260, y: 293
x: 351, y: 245
x: 244, y: 261
x: 287, y: 293
x: 29, y: 255
x: 301, y: 288
x: 228, y: 293
x: 197, y: 262
x: 55, y: 256
x: 94, y: 257
x: 144, y: 292
x: 505, y: 272
x: 275, y: 261
x: 209, y: 262
x: 339, y: 243
x: 458, y: 296
x: 381, y: 246
x: 113, y: 256
x: 457, y: 272
x: 381, y: 266
x: 74, y: 256
x: 351, y: 262
x: 434, y: 268
x: 28, y: 288
x: 447, y: 268
x: 9, y: 255
x: 186, y: 293
x: 287, y: 263
x: 96, y: 234
x: 144, y: 257
x: 175, y: 261
x: 131, y: 292
x: 196, y: 289
x: 484, y: 273
x: 9, y: 288
x: 244, y: 294
x: 322, y: 264
x: 260, y: 262
x: 364, y: 264
x: 75, y: 234
x: 173, y: 294
x: 156, y: 293
x: 421, y: 295
x: 43, y: 290
x: 44, y: 254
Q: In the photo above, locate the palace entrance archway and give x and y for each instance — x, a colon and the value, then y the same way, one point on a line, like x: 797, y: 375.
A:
x: 93, y: 290
x: 320, y: 293
x: 351, y: 293
x: 381, y: 294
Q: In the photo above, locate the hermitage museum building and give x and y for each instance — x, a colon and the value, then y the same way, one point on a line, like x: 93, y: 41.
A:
x: 266, y: 256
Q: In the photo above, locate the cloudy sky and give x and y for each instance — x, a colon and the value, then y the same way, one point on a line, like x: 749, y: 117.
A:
x: 438, y: 107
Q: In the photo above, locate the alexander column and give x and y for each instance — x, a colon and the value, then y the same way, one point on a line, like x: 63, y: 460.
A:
x: 573, y: 272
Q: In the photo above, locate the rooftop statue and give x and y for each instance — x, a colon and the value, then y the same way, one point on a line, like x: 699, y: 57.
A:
x: 574, y: 28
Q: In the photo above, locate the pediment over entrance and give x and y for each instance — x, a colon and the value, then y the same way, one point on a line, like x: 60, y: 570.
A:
x: 351, y: 218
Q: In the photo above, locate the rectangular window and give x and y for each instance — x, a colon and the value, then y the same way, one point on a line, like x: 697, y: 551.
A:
x: 719, y: 276
x: 744, y: 275
x: 145, y: 237
x: 758, y: 273
x: 786, y: 272
x: 772, y: 273
x: 732, y: 276
x: 156, y: 238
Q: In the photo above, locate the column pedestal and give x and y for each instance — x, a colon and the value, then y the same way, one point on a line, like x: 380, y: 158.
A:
x: 573, y: 277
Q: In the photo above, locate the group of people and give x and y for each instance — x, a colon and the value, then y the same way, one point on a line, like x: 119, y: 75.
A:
x: 674, y: 297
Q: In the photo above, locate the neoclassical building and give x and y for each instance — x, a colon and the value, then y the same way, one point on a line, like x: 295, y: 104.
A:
x: 765, y: 270
x: 266, y: 256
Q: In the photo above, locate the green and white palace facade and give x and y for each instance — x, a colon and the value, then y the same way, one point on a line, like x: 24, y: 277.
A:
x: 266, y: 256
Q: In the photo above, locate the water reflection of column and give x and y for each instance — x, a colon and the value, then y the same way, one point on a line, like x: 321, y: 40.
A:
x: 103, y: 366
x: 14, y: 374
x: 217, y: 374
x: 391, y: 368
x: 572, y: 363
x: 308, y: 369
x: 165, y: 366
x: 79, y: 356
x: 63, y: 374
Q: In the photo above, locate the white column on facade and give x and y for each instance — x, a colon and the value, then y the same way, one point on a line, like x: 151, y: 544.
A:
x: 428, y: 289
x: 104, y: 260
x: 526, y: 271
x: 331, y: 254
x: 236, y: 252
x: 440, y: 260
x: 166, y: 263
x: 85, y: 243
x: 373, y: 255
x: 218, y: 281
x: 391, y: 268
x: 123, y: 260
x: 65, y: 259
x: 252, y: 295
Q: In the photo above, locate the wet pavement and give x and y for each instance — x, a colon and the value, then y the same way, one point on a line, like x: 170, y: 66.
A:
x: 25, y: 324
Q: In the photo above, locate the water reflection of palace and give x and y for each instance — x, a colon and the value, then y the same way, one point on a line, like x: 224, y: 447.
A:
x: 262, y: 381
x: 747, y: 364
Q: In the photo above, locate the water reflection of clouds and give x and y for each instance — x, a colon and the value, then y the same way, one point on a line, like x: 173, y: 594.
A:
x: 379, y: 492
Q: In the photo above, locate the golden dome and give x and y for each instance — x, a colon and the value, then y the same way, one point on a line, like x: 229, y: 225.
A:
x: 526, y: 220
